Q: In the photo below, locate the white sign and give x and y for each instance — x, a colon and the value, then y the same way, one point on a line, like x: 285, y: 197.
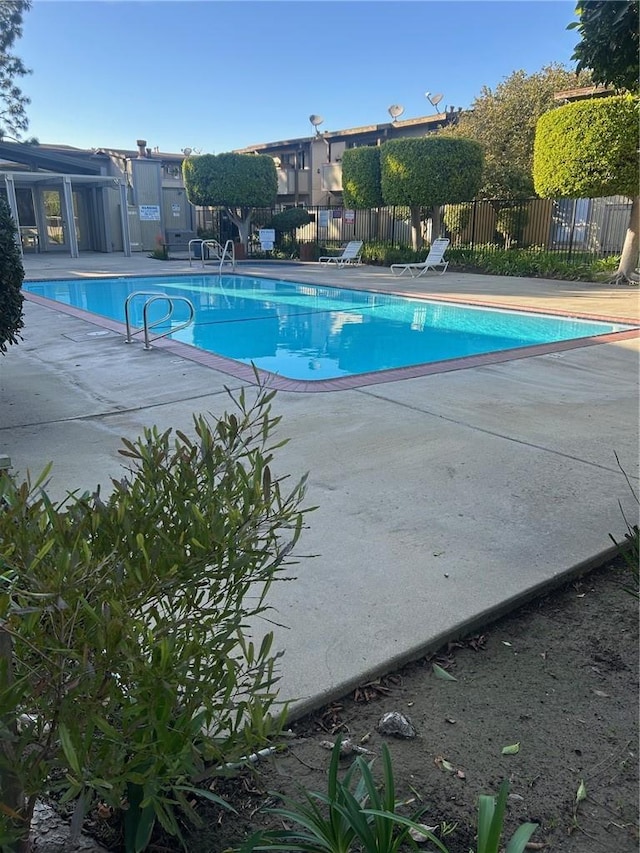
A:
x: 267, y: 238
x: 150, y: 212
x: 323, y: 218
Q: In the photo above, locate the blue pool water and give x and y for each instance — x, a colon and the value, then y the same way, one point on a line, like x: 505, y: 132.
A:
x: 315, y: 332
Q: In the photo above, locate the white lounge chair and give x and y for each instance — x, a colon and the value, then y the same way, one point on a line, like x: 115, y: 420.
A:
x: 351, y: 254
x: 434, y: 259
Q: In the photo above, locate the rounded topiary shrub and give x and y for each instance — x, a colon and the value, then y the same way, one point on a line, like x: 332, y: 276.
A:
x: 11, y: 278
x: 289, y: 220
x: 361, y: 178
x: 588, y: 149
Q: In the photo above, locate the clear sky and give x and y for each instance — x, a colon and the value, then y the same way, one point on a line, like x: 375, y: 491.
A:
x: 221, y: 75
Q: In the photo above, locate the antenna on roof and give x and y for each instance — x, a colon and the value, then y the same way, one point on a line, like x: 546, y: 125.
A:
x: 316, y: 121
x: 395, y: 110
x: 434, y: 100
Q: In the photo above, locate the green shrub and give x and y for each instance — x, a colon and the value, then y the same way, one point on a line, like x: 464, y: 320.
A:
x: 289, y: 220
x: 11, y: 278
x: 361, y: 178
x: 381, y: 253
x: 433, y: 170
x: 126, y: 671
x: 511, y: 222
x: 456, y: 218
x: 588, y: 149
x: 530, y: 263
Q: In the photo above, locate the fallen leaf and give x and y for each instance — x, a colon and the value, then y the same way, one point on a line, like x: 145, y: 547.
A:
x: 439, y: 672
x: 461, y: 774
x: 582, y: 792
x: 420, y: 833
x: 505, y: 643
x: 450, y: 720
x: 443, y: 764
x: 601, y: 693
x: 512, y: 749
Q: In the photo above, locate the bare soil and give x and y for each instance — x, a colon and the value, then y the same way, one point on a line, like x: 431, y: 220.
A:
x: 559, y: 677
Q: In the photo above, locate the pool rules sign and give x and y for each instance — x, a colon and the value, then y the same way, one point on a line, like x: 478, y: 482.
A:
x: 267, y: 237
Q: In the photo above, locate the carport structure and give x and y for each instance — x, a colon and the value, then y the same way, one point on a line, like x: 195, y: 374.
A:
x: 59, y: 191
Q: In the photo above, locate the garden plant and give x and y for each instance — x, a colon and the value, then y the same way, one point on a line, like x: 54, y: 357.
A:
x: 359, y: 813
x: 11, y: 278
x: 127, y: 671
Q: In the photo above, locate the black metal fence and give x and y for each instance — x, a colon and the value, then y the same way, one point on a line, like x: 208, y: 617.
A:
x: 571, y: 228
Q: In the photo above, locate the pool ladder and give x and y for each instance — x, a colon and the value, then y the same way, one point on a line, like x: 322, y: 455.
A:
x: 211, y: 250
x: 154, y: 296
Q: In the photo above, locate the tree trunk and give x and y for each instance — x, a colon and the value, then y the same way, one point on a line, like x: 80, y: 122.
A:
x: 416, y: 228
x: 627, y: 269
x: 242, y: 220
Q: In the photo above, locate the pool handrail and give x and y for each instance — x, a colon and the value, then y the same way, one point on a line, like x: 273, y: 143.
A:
x: 211, y: 249
x: 146, y: 327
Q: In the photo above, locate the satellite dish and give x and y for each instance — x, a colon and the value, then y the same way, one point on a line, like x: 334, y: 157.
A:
x: 316, y: 121
x: 395, y: 110
x: 434, y: 100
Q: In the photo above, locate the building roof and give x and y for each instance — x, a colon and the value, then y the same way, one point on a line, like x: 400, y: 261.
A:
x: 393, y: 128
x: 582, y: 93
x: 55, y: 158
x: 134, y: 153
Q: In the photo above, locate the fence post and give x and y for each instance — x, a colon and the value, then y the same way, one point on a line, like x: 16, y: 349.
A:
x: 573, y: 225
x: 473, y: 224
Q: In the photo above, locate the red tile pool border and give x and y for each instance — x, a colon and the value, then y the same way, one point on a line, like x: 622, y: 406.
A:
x: 246, y: 373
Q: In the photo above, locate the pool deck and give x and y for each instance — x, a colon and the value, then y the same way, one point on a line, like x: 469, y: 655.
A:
x: 444, y: 499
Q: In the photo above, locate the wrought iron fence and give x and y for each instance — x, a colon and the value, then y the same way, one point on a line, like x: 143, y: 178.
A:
x: 575, y: 229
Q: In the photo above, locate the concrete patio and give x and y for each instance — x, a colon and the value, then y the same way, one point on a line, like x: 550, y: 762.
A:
x: 443, y: 500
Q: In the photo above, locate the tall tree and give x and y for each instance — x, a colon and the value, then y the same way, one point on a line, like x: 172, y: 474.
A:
x: 609, y: 41
x: 429, y: 172
x: 13, y: 115
x: 588, y: 149
x: 237, y: 182
x: 504, y: 121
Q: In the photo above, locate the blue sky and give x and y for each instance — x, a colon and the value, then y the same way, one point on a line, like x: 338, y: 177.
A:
x: 221, y: 75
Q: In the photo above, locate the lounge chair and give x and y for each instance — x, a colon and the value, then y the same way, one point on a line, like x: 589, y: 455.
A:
x: 434, y: 259
x: 351, y: 254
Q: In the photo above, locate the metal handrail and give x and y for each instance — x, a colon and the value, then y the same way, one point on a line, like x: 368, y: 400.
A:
x: 230, y: 249
x: 127, y: 303
x: 210, y: 244
x: 178, y: 328
x: 214, y: 251
x: 146, y: 327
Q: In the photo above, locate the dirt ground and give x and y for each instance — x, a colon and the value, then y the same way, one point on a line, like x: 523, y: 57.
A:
x: 558, y: 677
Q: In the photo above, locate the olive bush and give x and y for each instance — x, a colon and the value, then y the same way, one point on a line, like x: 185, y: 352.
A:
x: 127, y: 668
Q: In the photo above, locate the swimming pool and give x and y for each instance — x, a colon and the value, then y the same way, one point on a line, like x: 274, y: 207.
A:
x: 314, y: 332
